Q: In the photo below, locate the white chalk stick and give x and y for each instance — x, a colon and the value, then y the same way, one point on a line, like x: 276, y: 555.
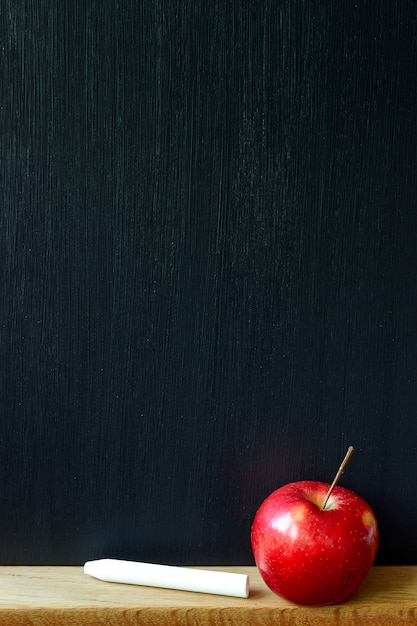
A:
x: 169, y: 577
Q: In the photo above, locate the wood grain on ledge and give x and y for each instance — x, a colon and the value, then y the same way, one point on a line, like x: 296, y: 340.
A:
x: 65, y: 595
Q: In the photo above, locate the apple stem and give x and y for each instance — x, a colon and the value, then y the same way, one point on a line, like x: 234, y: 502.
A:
x: 338, y: 475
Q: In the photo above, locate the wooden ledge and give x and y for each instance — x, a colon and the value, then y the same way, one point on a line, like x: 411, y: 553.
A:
x: 64, y: 595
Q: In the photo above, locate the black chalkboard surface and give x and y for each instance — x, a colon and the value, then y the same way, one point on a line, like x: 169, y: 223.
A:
x: 208, y: 234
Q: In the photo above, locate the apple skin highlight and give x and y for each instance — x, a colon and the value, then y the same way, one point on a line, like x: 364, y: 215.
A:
x: 309, y: 555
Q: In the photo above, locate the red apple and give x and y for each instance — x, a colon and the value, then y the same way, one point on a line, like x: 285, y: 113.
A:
x: 310, y: 555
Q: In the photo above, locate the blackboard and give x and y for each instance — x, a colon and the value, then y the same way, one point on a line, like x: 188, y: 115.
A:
x: 208, y: 262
